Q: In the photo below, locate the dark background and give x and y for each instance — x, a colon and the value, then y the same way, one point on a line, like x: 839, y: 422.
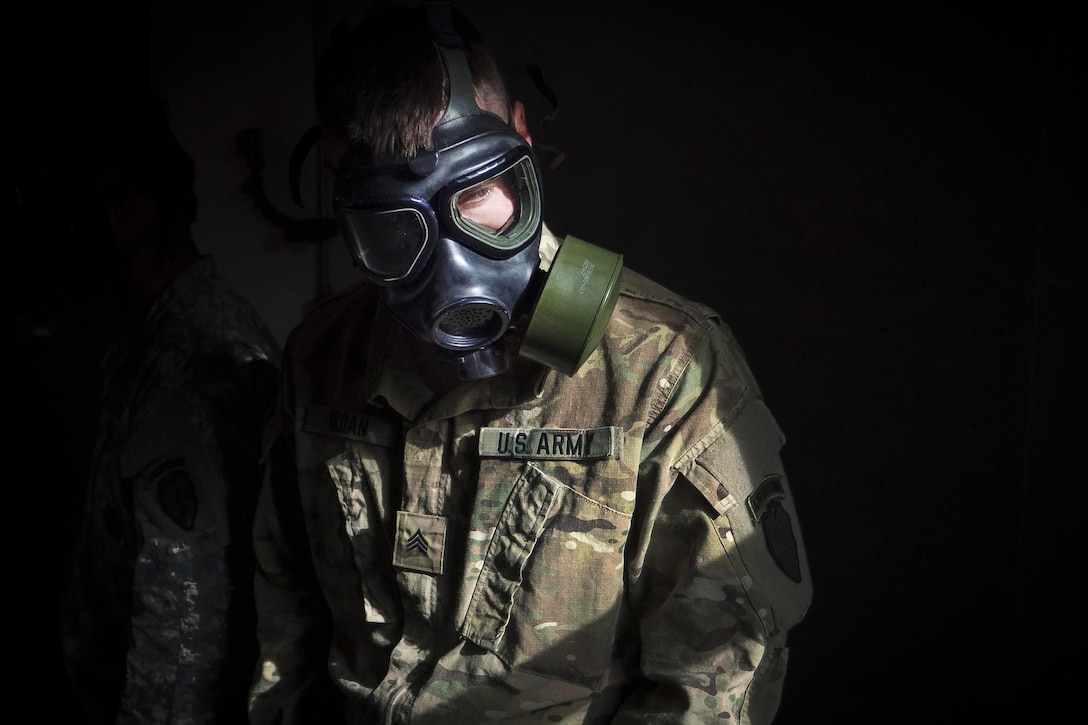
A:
x: 886, y: 206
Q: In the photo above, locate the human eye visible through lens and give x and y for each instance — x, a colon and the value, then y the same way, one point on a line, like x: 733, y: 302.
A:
x: 489, y: 204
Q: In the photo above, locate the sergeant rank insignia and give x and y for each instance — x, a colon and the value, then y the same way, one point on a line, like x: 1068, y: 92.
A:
x: 421, y: 542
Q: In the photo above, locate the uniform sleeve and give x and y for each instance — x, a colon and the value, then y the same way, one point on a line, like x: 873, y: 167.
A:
x: 725, y: 575
x: 194, y: 477
x: 291, y: 685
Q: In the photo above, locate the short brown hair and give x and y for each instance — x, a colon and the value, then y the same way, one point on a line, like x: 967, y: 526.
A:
x: 380, y: 86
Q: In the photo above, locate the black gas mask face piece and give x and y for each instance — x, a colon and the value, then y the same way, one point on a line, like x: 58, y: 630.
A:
x: 453, y: 234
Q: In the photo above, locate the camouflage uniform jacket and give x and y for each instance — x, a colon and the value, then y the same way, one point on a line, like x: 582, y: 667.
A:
x: 617, y: 546
x: 157, y: 618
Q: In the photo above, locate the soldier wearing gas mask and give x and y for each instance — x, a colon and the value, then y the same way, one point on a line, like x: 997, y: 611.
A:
x: 453, y: 235
x: 507, y: 478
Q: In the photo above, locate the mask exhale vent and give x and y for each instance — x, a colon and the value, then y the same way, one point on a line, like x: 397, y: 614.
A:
x: 469, y: 325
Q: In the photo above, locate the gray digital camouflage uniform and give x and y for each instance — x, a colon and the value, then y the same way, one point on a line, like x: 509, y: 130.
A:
x: 157, y: 626
x: 617, y: 546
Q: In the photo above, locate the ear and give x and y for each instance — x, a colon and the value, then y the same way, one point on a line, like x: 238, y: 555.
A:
x: 520, y: 125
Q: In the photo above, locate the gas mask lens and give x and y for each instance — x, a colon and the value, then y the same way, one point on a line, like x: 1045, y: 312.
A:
x: 502, y: 211
x: 495, y: 214
x: 386, y: 243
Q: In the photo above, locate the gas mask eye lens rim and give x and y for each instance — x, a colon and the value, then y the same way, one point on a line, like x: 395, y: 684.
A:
x: 389, y: 245
x: 514, y: 184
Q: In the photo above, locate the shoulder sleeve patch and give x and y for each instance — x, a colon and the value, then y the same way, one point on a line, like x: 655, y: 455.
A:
x: 175, y: 492
x: 179, y: 485
x: 766, y: 509
x: 740, y: 473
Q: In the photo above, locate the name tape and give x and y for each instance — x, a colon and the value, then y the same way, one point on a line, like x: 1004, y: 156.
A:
x: 356, y: 426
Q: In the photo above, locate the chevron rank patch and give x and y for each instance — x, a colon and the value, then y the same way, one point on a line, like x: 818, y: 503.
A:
x: 766, y: 509
x: 564, y: 444
x: 421, y: 542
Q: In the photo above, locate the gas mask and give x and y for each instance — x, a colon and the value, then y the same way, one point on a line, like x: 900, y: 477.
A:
x: 453, y: 237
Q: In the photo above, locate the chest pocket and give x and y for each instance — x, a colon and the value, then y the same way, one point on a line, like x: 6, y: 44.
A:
x: 362, y: 479
x: 551, y: 581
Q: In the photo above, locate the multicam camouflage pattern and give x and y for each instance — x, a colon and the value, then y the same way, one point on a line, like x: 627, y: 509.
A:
x: 438, y: 585
x: 156, y: 625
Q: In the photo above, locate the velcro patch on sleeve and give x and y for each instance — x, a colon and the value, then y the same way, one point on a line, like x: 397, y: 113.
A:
x: 766, y: 509
x: 175, y: 492
x: 741, y: 475
x: 178, y: 482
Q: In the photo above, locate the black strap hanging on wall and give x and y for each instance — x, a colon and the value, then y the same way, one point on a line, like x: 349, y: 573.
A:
x: 314, y: 229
